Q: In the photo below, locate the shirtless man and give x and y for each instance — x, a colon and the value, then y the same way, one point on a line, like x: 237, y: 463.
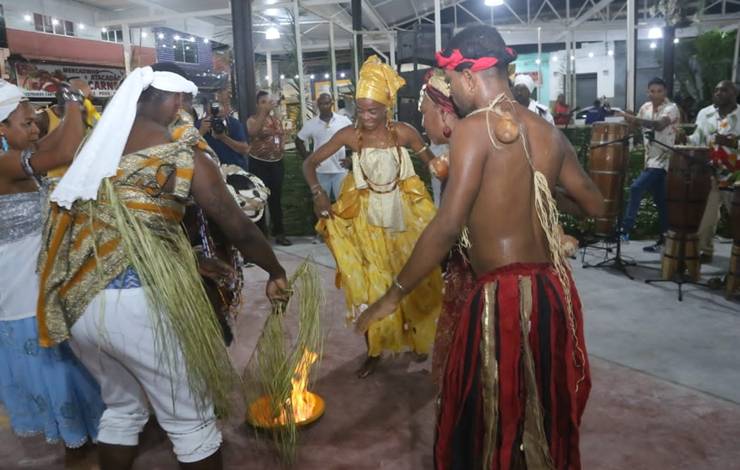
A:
x: 524, y: 288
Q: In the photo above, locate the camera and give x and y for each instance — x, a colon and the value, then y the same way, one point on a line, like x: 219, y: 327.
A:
x: 218, y: 124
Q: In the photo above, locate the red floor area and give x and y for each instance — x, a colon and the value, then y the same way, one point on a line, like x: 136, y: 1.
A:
x: 633, y: 421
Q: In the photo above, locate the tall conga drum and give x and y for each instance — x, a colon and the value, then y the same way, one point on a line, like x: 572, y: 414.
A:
x: 687, y: 187
x: 735, y: 214
x: 607, y: 164
x: 688, y: 184
x: 733, y: 276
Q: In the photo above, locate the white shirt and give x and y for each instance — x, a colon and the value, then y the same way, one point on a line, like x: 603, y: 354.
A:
x: 542, y: 111
x: 657, y: 156
x: 321, y: 132
x: 709, y: 123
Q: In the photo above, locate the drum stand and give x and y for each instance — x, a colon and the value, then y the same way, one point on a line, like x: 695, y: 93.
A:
x: 616, y: 263
x: 679, y: 277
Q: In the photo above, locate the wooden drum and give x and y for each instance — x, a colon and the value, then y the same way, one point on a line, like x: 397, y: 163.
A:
x: 735, y: 215
x: 607, y: 166
x: 687, y: 188
x: 733, y: 276
x: 671, y: 261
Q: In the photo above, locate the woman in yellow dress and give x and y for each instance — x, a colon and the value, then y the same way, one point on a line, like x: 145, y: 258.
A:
x: 381, y: 211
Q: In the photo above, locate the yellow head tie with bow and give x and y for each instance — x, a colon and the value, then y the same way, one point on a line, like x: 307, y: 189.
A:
x: 378, y: 82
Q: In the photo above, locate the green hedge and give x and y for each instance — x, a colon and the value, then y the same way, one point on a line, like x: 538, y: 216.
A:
x: 298, y: 207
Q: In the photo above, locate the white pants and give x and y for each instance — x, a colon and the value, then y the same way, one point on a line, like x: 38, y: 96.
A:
x: 331, y: 183
x: 115, y: 340
x: 710, y: 219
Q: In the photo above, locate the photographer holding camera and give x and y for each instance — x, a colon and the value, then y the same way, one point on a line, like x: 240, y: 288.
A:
x: 266, y: 159
x: 224, y: 133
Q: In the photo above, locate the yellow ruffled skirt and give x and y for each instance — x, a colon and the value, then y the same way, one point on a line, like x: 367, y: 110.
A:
x: 368, y: 257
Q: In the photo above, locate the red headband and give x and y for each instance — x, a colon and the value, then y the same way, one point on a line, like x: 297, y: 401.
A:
x: 455, y: 59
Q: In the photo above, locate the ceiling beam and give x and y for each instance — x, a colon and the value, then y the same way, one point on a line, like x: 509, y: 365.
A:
x: 585, y: 17
x: 199, y: 14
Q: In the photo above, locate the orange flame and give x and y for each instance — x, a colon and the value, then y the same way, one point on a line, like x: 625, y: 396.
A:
x: 306, y: 406
x: 302, y: 401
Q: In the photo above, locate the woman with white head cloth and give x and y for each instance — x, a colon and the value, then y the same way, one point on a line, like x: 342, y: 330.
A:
x: 119, y: 277
x: 44, y: 391
x: 523, y: 88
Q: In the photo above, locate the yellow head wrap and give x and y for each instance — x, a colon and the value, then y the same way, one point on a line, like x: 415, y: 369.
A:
x: 379, y: 82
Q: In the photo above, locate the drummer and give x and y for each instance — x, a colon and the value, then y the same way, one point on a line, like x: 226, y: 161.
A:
x: 718, y: 126
x: 658, y: 118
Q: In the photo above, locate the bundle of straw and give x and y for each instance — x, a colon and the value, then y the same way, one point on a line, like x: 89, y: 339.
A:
x: 168, y: 270
x: 276, y: 357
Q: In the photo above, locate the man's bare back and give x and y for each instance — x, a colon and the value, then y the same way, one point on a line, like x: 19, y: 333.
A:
x: 503, y: 222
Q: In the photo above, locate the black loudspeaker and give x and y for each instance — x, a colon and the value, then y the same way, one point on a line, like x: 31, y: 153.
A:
x: 408, y: 112
x: 417, y: 45
x: 414, y: 81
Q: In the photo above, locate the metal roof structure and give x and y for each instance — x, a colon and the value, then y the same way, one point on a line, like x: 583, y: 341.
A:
x: 587, y: 20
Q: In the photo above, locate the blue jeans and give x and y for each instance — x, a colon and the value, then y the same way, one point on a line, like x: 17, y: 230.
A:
x: 652, y: 180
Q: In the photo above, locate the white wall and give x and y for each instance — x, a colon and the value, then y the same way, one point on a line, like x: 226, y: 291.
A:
x: 61, y: 9
x: 88, y: 15
x: 601, y: 64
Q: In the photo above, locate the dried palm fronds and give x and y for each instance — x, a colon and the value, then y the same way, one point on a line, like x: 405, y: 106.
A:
x: 271, y: 373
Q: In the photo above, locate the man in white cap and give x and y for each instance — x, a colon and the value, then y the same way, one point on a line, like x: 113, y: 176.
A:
x: 523, y: 88
x: 118, y: 275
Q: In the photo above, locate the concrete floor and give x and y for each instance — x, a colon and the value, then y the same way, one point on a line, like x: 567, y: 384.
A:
x: 666, y: 383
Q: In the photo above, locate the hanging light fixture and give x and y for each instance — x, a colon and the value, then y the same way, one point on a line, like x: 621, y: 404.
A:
x: 655, y: 33
x: 272, y: 33
x: 494, y: 3
x: 653, y: 45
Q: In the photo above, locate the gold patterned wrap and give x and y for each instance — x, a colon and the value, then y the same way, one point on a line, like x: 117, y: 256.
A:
x: 369, y: 255
x: 378, y: 82
x: 82, y: 250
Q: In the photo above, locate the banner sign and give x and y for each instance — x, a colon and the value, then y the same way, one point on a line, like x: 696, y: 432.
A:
x: 36, y: 80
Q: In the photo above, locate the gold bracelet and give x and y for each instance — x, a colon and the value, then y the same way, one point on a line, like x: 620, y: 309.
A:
x: 421, y: 150
x: 399, y: 285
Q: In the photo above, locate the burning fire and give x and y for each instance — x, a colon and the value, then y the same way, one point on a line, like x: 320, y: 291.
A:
x: 307, y: 407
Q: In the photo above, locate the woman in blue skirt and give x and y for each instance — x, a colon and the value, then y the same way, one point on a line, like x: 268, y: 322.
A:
x: 43, y: 391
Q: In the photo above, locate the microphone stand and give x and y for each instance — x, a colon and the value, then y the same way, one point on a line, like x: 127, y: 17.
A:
x: 679, y: 276
x: 616, y: 262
